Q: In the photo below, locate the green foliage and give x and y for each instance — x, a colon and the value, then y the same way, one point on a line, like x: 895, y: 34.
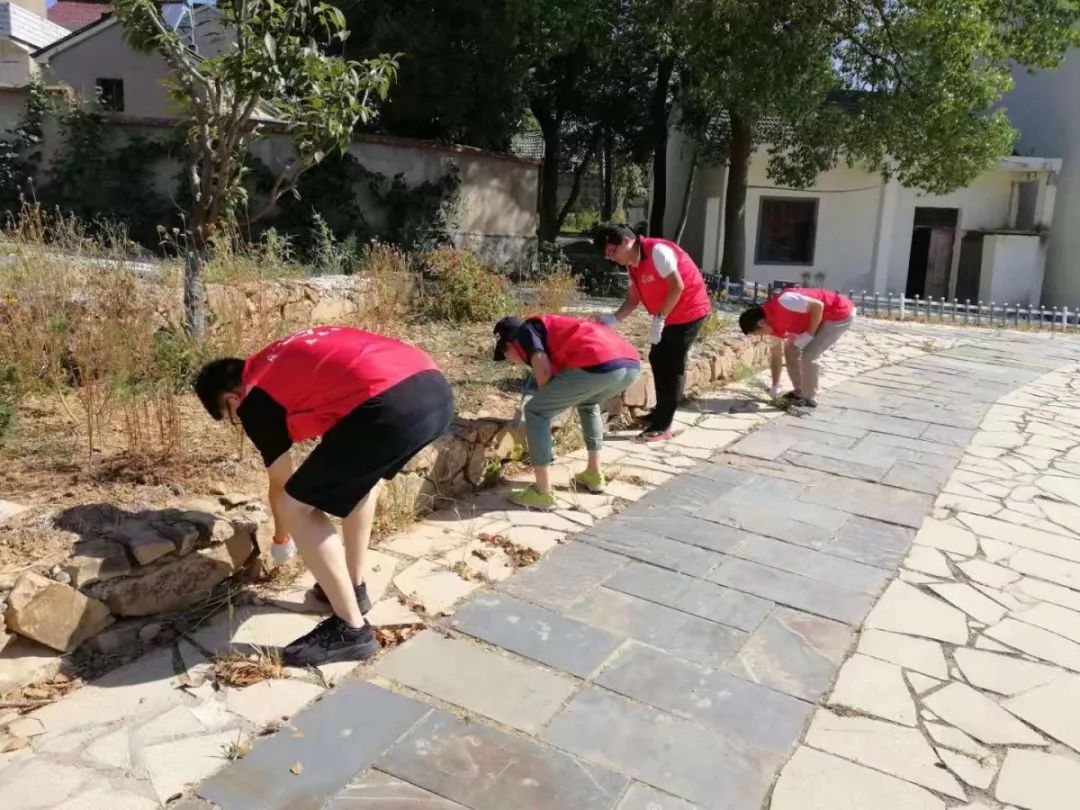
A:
x: 466, y: 290
x: 277, y: 56
x: 580, y: 221
x: 10, y: 391
x: 19, y: 155
x: 104, y: 174
x: 461, y: 74
x: 912, y: 83
x: 336, y: 193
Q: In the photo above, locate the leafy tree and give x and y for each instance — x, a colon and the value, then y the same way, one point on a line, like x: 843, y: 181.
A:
x: 460, y: 78
x: 903, y: 87
x: 277, y: 63
x: 566, y: 44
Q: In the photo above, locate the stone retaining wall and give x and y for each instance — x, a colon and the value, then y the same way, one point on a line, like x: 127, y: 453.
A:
x: 140, y: 565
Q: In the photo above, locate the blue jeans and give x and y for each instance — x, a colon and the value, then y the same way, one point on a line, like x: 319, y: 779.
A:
x: 573, y: 387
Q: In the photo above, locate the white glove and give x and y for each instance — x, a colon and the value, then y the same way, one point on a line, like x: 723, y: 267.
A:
x: 803, y: 340
x: 774, y: 392
x: 656, y: 329
x: 608, y: 320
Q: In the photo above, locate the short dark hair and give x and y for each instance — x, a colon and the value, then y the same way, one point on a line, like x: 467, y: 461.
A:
x: 216, y: 378
x: 750, y: 319
x: 611, y: 233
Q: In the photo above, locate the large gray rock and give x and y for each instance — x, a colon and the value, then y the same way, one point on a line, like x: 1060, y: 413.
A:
x: 96, y: 560
x: 53, y: 614
x: 176, y: 582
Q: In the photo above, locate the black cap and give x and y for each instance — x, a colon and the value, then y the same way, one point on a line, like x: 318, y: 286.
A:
x: 505, y: 331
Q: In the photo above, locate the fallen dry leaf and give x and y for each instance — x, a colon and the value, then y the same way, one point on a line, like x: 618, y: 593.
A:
x: 519, y: 555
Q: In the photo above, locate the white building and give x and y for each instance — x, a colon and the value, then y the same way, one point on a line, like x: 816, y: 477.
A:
x: 1045, y: 107
x: 23, y: 30
x: 854, y: 231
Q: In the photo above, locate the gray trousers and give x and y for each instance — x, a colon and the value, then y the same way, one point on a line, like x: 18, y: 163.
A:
x: 803, y: 365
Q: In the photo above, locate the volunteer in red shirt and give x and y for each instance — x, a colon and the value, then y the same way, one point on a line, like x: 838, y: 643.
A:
x: 666, y: 281
x: 376, y: 403
x: 575, y: 363
x: 806, y: 322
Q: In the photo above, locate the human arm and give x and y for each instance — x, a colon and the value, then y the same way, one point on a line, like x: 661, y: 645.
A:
x: 279, y: 473
x: 667, y: 265
x: 541, y: 368
x: 629, y: 304
x: 816, y: 310
x: 265, y: 423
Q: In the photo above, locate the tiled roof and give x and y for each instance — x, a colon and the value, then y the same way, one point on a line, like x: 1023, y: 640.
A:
x: 73, y: 16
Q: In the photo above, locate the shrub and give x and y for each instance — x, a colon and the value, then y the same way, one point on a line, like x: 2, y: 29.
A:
x: 391, y: 284
x: 556, y: 290
x: 466, y: 290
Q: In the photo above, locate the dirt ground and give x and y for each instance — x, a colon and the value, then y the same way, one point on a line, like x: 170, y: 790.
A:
x: 46, y: 463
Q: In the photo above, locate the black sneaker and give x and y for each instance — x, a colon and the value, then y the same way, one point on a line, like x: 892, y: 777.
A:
x: 361, y: 596
x: 789, y: 396
x: 332, y: 640
x: 803, y: 402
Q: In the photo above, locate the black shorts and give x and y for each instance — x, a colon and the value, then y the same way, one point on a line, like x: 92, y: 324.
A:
x: 373, y: 442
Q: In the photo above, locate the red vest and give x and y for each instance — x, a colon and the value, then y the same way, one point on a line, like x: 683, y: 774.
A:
x: 652, y: 287
x: 321, y: 374
x: 784, y: 322
x: 577, y: 343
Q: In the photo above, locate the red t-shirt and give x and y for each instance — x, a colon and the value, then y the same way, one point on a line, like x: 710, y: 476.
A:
x: 321, y: 374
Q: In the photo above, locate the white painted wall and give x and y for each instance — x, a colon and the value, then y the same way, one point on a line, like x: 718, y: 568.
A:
x: 1045, y: 107
x: 1012, y: 269
x: 16, y: 65
x: 864, y: 227
x: 982, y: 205
x: 846, y: 223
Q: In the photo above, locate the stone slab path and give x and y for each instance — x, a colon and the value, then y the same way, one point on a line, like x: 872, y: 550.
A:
x: 734, y: 600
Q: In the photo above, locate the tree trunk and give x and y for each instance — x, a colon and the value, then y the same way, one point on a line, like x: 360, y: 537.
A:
x: 684, y: 214
x: 549, y: 180
x: 742, y: 143
x: 658, y: 120
x: 575, y: 189
x: 194, y: 291
x: 607, y: 210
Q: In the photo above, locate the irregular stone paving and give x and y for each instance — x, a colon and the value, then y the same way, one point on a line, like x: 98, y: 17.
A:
x: 681, y: 632
x: 965, y: 690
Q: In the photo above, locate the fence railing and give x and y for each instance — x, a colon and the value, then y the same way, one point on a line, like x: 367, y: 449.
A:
x: 927, y: 310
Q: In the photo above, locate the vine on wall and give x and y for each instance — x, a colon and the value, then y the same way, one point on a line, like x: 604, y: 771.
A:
x: 104, y: 175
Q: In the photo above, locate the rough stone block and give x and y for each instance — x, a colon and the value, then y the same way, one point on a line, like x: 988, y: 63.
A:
x: 179, y: 582
x: 53, y: 614
x: 145, y: 542
x: 96, y: 560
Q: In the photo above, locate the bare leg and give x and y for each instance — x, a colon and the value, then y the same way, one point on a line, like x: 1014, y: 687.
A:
x: 323, y: 553
x: 793, y: 360
x: 594, y: 462
x: 356, y: 534
x: 543, y: 479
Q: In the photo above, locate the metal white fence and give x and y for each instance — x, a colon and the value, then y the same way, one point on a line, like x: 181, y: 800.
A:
x: 927, y: 310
